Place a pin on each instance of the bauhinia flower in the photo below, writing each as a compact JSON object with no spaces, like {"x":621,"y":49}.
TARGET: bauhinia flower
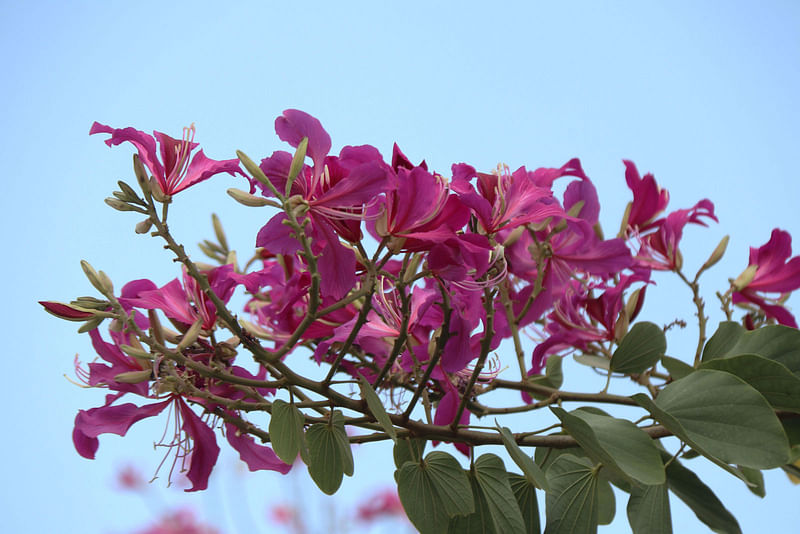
{"x":172,"y":165}
{"x":770,"y":271}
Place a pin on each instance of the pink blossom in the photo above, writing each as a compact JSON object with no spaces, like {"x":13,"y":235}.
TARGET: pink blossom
{"x":775,"y":272}
{"x":170,"y":165}
{"x":384,"y":503}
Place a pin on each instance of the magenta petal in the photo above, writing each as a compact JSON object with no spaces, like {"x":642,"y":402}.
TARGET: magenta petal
{"x":336,"y":265}
{"x":114,"y":419}
{"x":202,"y":168}
{"x":361,"y":185}
{"x":294,"y":125}
{"x":257,"y":457}
{"x":276,"y":237}
{"x":86,"y":446}
{"x":145,"y":144}
{"x":204,"y":451}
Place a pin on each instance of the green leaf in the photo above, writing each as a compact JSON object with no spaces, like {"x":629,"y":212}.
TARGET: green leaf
{"x":525,"y":493}
{"x":490,"y":472}
{"x":408,"y":450}
{"x":676,"y":367}
{"x":552,"y":378}
{"x":590,"y":360}
{"x":699,"y":498}
{"x":616,"y":443}
{"x":640,"y":349}
{"x":286,"y":431}
{"x":772,"y":379}
{"x":723,"y":340}
{"x":529,"y":468}
{"x":326,"y":466}
{"x":606,"y":502}
{"x":756,"y":478}
{"x":376,"y":407}
{"x":774,"y":342}
{"x":571,"y":505}
{"x":479,"y":521}
{"x":648,"y":510}
{"x":434,"y":490}
{"x":721,"y":417}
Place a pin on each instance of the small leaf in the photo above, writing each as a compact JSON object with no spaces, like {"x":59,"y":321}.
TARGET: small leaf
{"x":606,"y":502}
{"x":493,"y":484}
{"x":616,"y":443}
{"x":641,"y":348}
{"x":676,"y":368}
{"x":772,"y":379}
{"x":525,"y":493}
{"x":571,"y":505}
{"x":529,"y":468}
{"x":756,"y":478}
{"x":376,"y":407}
{"x":286,"y":431}
{"x":326,"y":467}
{"x":343,"y":442}
{"x":434,"y":490}
{"x":408,"y":450}
{"x":597,"y":362}
{"x":648,"y":510}
{"x":723,"y":340}
{"x":699,"y":497}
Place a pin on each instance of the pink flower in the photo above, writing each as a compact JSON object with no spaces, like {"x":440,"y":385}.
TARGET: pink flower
{"x":775,"y":273}
{"x":384,"y":503}
{"x":649,"y":200}
{"x":170,"y":165}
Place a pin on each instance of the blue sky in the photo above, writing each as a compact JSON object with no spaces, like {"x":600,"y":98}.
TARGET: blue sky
{"x":704,"y":96}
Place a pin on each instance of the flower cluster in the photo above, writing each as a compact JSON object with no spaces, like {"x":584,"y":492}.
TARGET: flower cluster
{"x":386,"y":271}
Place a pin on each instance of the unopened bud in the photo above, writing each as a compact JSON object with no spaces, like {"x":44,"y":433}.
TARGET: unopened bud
{"x":621,"y":326}
{"x":576,"y":208}
{"x":66,"y":311}
{"x":134,"y":377}
{"x":247,"y":199}
{"x":128,"y":192}
{"x":136,"y":352}
{"x":119,"y":205}
{"x":623,"y":227}
{"x":100,"y":283}
{"x":191,"y":335}
{"x":716,"y":255}
{"x":744,"y":279}
{"x":297,"y":164}
{"x":90,"y":325}
{"x":90,"y":303}
{"x":143,"y":227}
{"x":157,"y":192}
{"x":219,"y":231}
{"x":634,"y":304}
{"x":141,"y":175}
{"x":253,"y":169}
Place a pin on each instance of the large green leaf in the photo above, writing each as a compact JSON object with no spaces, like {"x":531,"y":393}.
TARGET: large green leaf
{"x":286,"y":431}
{"x":699,"y":498}
{"x":493,"y":482}
{"x":640,"y":349}
{"x":616,"y":443}
{"x":571,"y":505}
{"x":648,"y":510}
{"x":677,"y":368}
{"x":376,"y":407}
{"x":529,"y":468}
{"x":772,"y":379}
{"x":479,"y":521}
{"x":774,"y":342}
{"x":721,"y":417}
{"x":434,"y":490}
{"x":525,"y":493}
{"x":326,"y":465}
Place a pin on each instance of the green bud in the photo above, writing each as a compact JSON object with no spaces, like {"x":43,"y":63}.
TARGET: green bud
{"x":120,"y":205}
{"x":256,"y":171}
{"x":134,"y":377}
{"x":716,"y":255}
{"x":191,"y":335}
{"x":136,"y":352}
{"x":218,"y":231}
{"x":158,"y":194}
{"x":92,"y":276}
{"x":623,"y":227}
{"x":141,"y":175}
{"x":744,"y":279}
{"x":143,"y":227}
{"x":246,"y":199}
{"x":90,"y":325}
{"x":297,"y":164}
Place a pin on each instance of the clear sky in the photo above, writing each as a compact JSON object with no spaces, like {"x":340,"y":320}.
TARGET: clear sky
{"x":704,"y":96}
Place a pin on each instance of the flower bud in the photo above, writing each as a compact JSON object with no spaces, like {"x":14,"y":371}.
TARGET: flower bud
{"x":297,"y":164}
{"x":119,"y":205}
{"x":219,"y":231}
{"x":141,"y":175}
{"x":247,"y":199}
{"x":744,"y":279}
{"x":136,"y":352}
{"x":134,"y":377}
{"x":716,"y":255}
{"x":191,"y":335}
{"x":100,"y":283}
{"x":66,"y":311}
{"x":143,"y":227}
{"x":157,"y":192}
